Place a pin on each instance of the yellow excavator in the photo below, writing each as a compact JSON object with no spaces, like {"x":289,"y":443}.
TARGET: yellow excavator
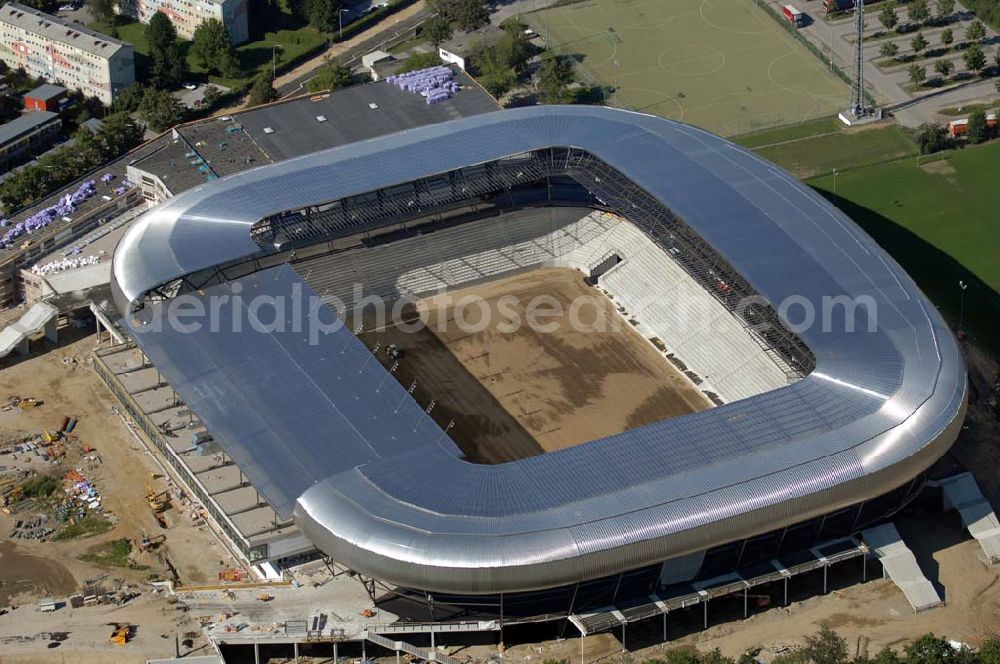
{"x":158,"y":502}
{"x":120,"y":634}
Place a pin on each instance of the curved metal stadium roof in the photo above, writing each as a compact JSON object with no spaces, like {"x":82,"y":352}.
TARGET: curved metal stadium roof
{"x":878,"y":409}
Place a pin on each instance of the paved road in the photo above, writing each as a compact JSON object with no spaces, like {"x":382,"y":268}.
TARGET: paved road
{"x":890,"y":84}
{"x":832,"y":36}
{"x":389,"y":28}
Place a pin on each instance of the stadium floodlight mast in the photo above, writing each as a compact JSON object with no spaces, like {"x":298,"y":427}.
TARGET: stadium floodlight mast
{"x":857,"y":107}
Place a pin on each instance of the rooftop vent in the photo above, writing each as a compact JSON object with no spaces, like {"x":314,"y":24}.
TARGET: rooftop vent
{"x":268,"y":130}
{"x":320,"y":118}
{"x":373,"y":106}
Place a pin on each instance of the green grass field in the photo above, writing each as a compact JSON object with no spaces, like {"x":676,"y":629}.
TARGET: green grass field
{"x":723,"y":65}
{"x":817,"y":147}
{"x":938,"y":220}
{"x":254,"y":56}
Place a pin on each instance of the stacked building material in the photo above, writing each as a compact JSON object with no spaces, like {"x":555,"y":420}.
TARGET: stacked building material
{"x":434,"y":83}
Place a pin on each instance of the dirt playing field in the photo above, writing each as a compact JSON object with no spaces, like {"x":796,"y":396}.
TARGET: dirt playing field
{"x":541,"y":387}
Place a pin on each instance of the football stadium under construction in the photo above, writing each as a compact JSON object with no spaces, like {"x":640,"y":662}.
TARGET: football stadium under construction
{"x":802,"y":435}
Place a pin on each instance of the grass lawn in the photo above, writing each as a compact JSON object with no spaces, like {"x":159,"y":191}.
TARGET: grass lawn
{"x":85,"y":527}
{"x":724,"y":65}
{"x":254,"y":56}
{"x":938,"y":219}
{"x":111,"y":554}
{"x":817,"y":147}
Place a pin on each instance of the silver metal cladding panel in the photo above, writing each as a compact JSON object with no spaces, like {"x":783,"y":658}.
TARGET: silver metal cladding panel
{"x":879,"y":408}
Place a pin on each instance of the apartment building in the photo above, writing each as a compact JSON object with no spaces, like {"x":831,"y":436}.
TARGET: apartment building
{"x":26,"y":137}
{"x":65,"y":52}
{"x":187,"y":15}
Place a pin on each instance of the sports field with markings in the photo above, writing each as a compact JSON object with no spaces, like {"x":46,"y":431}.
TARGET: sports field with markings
{"x":723,"y":65}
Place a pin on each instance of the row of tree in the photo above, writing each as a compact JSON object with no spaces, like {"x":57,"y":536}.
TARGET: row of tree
{"x":974,"y":34}
{"x":211,"y":48}
{"x":973,"y":57}
{"x":827,"y":647}
{"x":118,"y":134}
{"x":918,"y":12}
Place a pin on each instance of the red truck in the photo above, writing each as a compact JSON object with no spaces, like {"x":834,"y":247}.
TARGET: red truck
{"x":793,"y":15}
{"x":957,"y":128}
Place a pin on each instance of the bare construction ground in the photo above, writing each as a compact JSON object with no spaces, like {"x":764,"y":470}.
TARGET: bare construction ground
{"x":122,"y":471}
{"x":523,"y":389}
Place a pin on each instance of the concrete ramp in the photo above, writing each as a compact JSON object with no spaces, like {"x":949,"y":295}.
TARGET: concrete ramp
{"x":901,"y":566}
{"x":961,"y":492}
{"x":14,"y":337}
{"x":428,"y":655}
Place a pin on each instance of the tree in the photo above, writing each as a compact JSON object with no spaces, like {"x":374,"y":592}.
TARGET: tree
{"x":129,"y":98}
{"x":977,"y":131}
{"x":262,"y":90}
{"x":975,"y":32}
{"x":918,"y":43}
{"x":944,"y":67}
{"x":555,"y":76}
{"x":159,"y":109}
{"x":103,"y":11}
{"x":436,"y":30}
{"x":825,"y":647}
{"x":499,"y":65}
{"x":887,"y":17}
{"x":419,"y":61}
{"x":932,"y":137}
{"x":168,"y":67}
{"x":332,"y":76}
{"x":47,"y":6}
{"x":211,"y":95}
{"x":929,"y":649}
{"x":974,"y":58}
{"x":945,"y":8}
{"x":886,"y":656}
{"x":321,"y":14}
{"x":263,"y":16}
{"x":947,"y":37}
{"x":467,"y":15}
{"x":989,"y":652}
{"x":213,"y":49}
{"x":918,"y":75}
{"x":917,"y":11}
{"x":118,"y":134}
{"x":889,"y":49}
{"x":715,"y":656}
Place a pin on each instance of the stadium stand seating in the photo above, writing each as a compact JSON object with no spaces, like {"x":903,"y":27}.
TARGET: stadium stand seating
{"x":654,"y":290}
